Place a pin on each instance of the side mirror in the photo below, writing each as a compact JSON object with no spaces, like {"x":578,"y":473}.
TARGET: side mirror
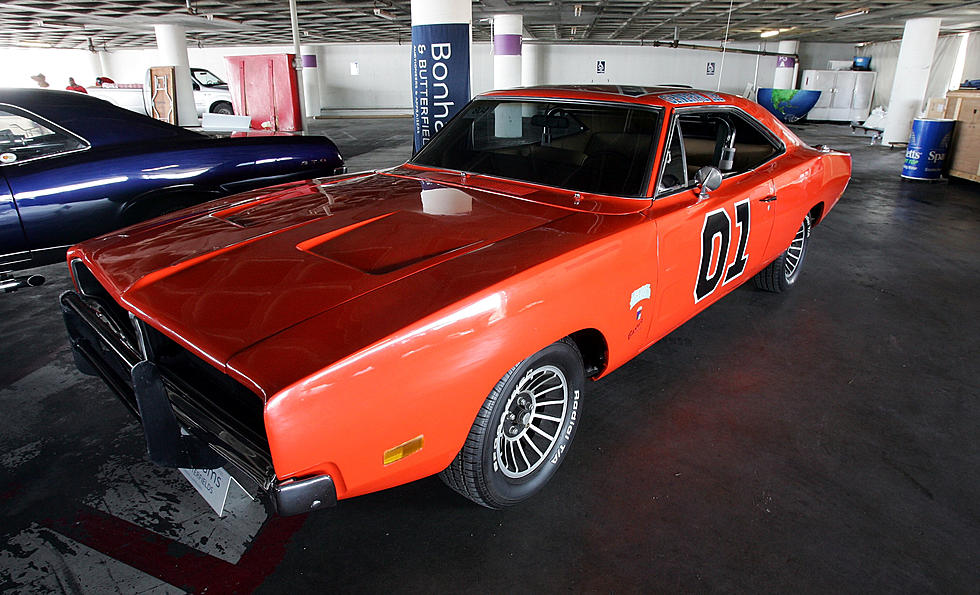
{"x":708,"y":179}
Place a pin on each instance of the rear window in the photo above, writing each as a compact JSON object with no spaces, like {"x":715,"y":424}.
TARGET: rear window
{"x":602,"y":149}
{"x":24,"y":136}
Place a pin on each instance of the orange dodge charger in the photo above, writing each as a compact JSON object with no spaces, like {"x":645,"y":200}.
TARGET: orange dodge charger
{"x":329,"y":338}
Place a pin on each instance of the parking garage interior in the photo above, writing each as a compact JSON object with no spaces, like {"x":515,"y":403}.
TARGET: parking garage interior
{"x":823,"y":439}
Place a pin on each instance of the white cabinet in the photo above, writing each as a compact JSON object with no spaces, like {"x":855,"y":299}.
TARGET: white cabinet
{"x":845,"y":95}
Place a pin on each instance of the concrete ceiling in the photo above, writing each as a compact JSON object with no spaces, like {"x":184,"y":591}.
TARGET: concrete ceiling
{"x":115,"y":24}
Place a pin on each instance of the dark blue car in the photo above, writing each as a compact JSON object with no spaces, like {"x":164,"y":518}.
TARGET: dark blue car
{"x":73,"y":167}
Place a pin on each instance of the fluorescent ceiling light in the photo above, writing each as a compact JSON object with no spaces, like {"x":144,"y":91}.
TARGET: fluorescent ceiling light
{"x":850,"y":13}
{"x":772,"y":33}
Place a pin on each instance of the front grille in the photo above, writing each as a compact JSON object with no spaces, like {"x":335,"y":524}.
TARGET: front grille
{"x":208,"y":403}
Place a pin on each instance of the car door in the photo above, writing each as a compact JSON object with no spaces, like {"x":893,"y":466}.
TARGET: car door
{"x":13,"y":244}
{"x":711,"y":242}
{"x":26,"y":142}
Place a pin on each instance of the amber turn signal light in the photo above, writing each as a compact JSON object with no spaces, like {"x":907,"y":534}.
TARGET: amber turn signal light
{"x":403,"y":450}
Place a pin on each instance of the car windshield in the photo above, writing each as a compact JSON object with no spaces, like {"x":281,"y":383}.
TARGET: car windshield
{"x":206,"y":78}
{"x":598,"y":148}
{"x":23,"y":138}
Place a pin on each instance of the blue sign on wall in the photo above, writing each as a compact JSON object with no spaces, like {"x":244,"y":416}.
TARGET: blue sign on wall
{"x":440,"y":76}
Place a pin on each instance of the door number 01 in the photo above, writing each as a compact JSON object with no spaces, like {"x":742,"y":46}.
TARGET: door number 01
{"x":719,"y":224}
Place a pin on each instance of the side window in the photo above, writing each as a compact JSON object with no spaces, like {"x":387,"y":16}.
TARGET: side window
{"x":22,"y":137}
{"x":675,"y":163}
{"x":724,"y":139}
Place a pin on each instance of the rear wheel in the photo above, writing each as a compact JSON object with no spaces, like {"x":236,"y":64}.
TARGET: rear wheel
{"x":782,"y":273}
{"x":523,"y":429}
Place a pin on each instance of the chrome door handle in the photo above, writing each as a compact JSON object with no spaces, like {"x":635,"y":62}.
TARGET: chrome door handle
{"x":769,"y":198}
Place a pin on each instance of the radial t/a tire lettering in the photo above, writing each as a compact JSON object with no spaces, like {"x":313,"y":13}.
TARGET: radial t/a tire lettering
{"x":782,"y":273}
{"x":523,"y":430}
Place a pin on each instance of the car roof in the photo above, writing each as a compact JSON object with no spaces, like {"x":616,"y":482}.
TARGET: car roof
{"x":95,"y":120}
{"x":664,"y":95}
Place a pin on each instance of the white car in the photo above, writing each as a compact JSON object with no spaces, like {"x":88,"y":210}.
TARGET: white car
{"x":210,"y":94}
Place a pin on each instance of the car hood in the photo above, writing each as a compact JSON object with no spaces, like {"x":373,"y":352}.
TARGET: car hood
{"x":250,"y":266}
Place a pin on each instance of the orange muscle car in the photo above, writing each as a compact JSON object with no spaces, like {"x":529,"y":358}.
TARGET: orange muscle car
{"x":343,"y":335}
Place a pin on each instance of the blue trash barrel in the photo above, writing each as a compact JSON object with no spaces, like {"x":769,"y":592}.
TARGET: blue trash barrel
{"x":928,"y":145}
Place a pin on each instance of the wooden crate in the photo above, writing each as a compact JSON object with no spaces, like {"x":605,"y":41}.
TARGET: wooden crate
{"x":964,"y":157}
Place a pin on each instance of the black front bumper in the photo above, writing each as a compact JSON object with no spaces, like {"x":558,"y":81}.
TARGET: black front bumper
{"x":167,"y":388}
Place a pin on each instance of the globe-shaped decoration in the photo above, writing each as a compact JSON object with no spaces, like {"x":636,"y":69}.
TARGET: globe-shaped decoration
{"x":789,"y":105}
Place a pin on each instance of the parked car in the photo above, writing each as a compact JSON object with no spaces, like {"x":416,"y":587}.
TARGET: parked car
{"x":341,"y":336}
{"x":73,"y":167}
{"x":211,"y":94}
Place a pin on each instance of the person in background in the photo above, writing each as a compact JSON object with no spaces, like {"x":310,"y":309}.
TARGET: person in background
{"x":73,"y":86}
{"x":40,"y":80}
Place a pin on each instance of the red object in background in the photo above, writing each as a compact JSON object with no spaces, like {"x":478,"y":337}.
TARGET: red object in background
{"x":73,"y":86}
{"x":265,"y":88}
{"x":257,"y":133}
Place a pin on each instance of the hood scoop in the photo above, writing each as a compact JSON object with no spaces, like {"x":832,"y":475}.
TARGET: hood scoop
{"x":406,"y":243}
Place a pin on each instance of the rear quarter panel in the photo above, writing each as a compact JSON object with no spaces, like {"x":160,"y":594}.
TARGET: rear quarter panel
{"x":805,"y":179}
{"x":808,"y":179}
{"x":64,"y":200}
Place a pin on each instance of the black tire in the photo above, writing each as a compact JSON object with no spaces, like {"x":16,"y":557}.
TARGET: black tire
{"x":783,"y":272}
{"x":223,"y":107}
{"x":487,"y":469}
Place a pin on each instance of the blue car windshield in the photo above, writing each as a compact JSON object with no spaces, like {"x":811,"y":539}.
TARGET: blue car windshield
{"x":587,"y":147}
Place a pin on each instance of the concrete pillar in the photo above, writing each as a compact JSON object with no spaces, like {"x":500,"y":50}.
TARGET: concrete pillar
{"x":786,"y":66}
{"x":507,"y":50}
{"x":311,"y":82}
{"x":298,"y":65}
{"x":172,"y":51}
{"x":911,"y":77}
{"x":105,"y":63}
{"x":507,"y":71}
{"x":441,"y":37}
{"x":531,"y":65}
{"x":323,"y":77}
{"x":96,"y":65}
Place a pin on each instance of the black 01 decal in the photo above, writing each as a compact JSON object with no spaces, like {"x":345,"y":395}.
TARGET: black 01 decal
{"x":712,"y":266}
{"x":716,"y":223}
{"x":742,"y":222}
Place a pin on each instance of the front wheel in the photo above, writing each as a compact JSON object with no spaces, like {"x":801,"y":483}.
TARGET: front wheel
{"x":223,"y":107}
{"x":782,"y":273}
{"x":523,"y":429}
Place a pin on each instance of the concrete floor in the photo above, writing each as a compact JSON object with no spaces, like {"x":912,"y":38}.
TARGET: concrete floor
{"x":823,"y":440}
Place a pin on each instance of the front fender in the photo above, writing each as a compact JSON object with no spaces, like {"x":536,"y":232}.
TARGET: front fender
{"x":431,"y":377}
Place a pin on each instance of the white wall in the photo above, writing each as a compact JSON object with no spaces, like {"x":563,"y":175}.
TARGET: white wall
{"x":971,"y":69}
{"x":646,"y":65}
{"x":814,"y":56}
{"x":384,"y":79}
{"x":884,"y":60}
{"x":18,"y":65}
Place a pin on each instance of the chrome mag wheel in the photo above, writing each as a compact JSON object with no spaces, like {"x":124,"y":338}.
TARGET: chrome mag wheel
{"x":531,"y":422}
{"x":796,"y":251}
{"x":523,"y":431}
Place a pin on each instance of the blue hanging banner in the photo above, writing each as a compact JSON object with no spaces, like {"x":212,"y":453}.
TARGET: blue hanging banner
{"x":440,"y":76}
